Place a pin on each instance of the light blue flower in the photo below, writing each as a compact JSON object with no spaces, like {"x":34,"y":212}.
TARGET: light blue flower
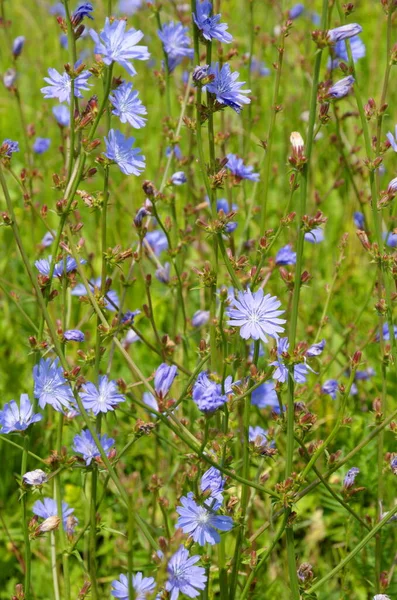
{"x":84,"y":444}
{"x":142,"y":586}
{"x":201,"y":522}
{"x":209,"y":25}
{"x":60,"y":85}
{"x":50,"y":385}
{"x":62,"y":115}
{"x":119,"y":149}
{"x":128,"y":106}
{"x":103,"y":398}
{"x":341,"y":88}
{"x":183,"y":576}
{"x":115,"y":44}
{"x":176,"y":43}
{"x":225,"y":87}
{"x":240,"y":171}
{"x":256,"y":315}
{"x":14,"y":418}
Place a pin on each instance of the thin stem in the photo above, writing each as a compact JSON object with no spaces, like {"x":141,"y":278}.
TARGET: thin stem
{"x":28,"y":553}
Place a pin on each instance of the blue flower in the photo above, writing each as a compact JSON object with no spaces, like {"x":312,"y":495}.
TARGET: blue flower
{"x":84,"y":10}
{"x":240,"y":171}
{"x":359,"y":220}
{"x":142,"y":586}
{"x":175,"y":150}
{"x":103,"y":398}
{"x":84,"y":444}
{"x":41,"y":145}
{"x":344,"y":32}
{"x":61,"y":85}
{"x":183,"y":576}
{"x":213,"y":482}
{"x":392,"y":187}
{"x":281,"y":372}
{"x":14,"y":418}
{"x":259,"y":68}
{"x":286,"y":256}
{"x":340,"y":51}
{"x":47,"y":239}
{"x":207,"y":394}
{"x":257,"y":315}
{"x":350,"y":477}
{"x":8,"y":147}
{"x":341,"y":88}
{"x":364,"y":375}
{"x":128,"y":106}
{"x":17,"y":46}
{"x":58,"y":10}
{"x":265,"y":395}
{"x":130,"y":7}
{"x":36,"y":477}
{"x":393,"y":139}
{"x":176,"y":43}
{"x":223,"y":204}
{"x":257,"y":433}
{"x":150,"y":401}
{"x":315,"y":236}
{"x":48,"y":508}
{"x":74,"y":335}
{"x":178,"y":178}
{"x":393,"y":464}
{"x":315,"y":349}
{"x":162,"y":274}
{"x":201,"y":522}
{"x":330,"y":388}
{"x":164,"y":378}
{"x":391,"y":239}
{"x":200,"y":318}
{"x":111,"y":297}
{"x":119,"y":149}
{"x":9,"y":78}
{"x":210,"y":26}
{"x":129,"y":316}
{"x":68,"y":264}
{"x":386,"y":331}
{"x":62,"y":115}
{"x":226,"y":88}
{"x":296,"y":11}
{"x":50,"y":386}
{"x":157,"y":240}
{"x":115,"y":44}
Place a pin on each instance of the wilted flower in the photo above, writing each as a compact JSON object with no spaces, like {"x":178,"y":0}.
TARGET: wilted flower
{"x":9,"y":78}
{"x":178,"y":178}
{"x":164,"y":378}
{"x":359,"y":220}
{"x":119,"y":149}
{"x":49,"y":524}
{"x":115,"y":44}
{"x":14,"y":418}
{"x":8,"y":147}
{"x":213,"y":482}
{"x":341,"y":88}
{"x":183,"y":576}
{"x":83,"y":11}
{"x":142,"y":586}
{"x":85,"y":444}
{"x":226,"y":88}
{"x":350,"y":477}
{"x":176,"y":43}
{"x":200,"y":318}
{"x":344,"y":32}
{"x":17,"y":46}
{"x":74,"y":335}
{"x":48,"y":508}
{"x":315,"y":349}
{"x":162,"y":274}
{"x":393,"y":139}
{"x":200,"y":521}
{"x":257,"y":315}
{"x":36,"y":477}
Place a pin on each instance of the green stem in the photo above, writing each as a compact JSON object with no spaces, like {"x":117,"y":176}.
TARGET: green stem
{"x":353,"y":553}
{"x":28,"y":553}
{"x":62,"y":533}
